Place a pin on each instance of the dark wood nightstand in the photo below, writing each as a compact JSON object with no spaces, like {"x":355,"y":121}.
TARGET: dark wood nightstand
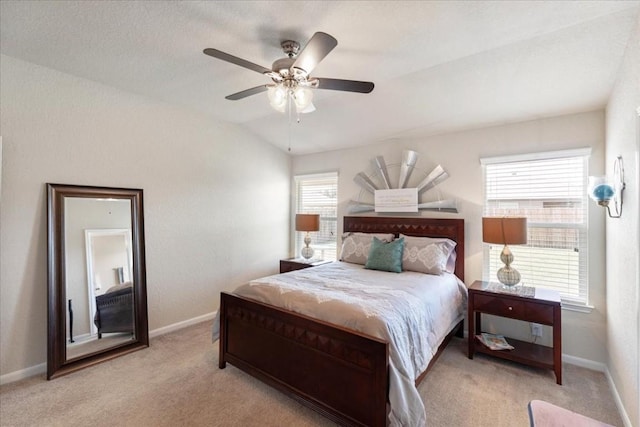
{"x":543,"y":308}
{"x":292,"y":264}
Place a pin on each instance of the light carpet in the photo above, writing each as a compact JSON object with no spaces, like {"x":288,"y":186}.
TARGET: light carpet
{"x":176,"y":382}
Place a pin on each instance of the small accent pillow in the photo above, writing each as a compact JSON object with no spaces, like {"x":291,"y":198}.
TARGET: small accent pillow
{"x":429,"y":255}
{"x":356,"y":246}
{"x":385,"y":256}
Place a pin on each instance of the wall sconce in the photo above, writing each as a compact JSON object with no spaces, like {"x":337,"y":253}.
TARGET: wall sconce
{"x":609,"y":192}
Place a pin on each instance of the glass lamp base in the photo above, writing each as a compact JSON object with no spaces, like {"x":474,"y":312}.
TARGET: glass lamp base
{"x":508,"y":276}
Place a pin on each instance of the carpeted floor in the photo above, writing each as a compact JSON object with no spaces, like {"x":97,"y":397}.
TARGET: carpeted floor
{"x":176,"y":382}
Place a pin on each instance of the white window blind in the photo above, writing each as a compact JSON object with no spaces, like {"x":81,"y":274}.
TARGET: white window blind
{"x":550,"y":190}
{"x":318,"y":194}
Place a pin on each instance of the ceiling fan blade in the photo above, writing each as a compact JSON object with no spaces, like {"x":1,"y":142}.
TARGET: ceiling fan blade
{"x":247,"y":92}
{"x":318,"y":47}
{"x":235,"y":60}
{"x":344,"y":85}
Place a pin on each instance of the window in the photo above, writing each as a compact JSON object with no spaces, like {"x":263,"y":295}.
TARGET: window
{"x":550,"y":190}
{"x":318,"y":194}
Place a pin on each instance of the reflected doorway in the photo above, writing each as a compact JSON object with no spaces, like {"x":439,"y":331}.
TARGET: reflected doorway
{"x":109,"y":265}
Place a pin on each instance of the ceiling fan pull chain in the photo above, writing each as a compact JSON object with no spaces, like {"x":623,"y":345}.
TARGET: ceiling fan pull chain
{"x":289,"y":121}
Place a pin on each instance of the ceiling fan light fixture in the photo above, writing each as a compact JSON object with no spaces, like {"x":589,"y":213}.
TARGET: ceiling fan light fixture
{"x":302,"y":96}
{"x":278,"y":95}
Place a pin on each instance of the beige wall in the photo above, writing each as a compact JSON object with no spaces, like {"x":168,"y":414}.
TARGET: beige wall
{"x":623,"y":235}
{"x":584,"y":334}
{"x":203,"y":181}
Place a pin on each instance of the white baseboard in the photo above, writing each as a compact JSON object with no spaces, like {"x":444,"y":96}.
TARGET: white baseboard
{"x":180,"y":325}
{"x":584,"y":363}
{"x":23,"y":373}
{"x":616,"y":397}
{"x":42,"y":367}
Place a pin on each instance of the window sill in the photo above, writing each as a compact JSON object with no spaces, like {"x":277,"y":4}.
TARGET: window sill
{"x":580,"y":308}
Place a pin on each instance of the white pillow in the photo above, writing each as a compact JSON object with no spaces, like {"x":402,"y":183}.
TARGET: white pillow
{"x":356,"y":246}
{"x":429,"y":255}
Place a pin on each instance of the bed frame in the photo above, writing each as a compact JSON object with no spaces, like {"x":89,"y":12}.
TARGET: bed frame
{"x":114,"y":312}
{"x":338,"y":372}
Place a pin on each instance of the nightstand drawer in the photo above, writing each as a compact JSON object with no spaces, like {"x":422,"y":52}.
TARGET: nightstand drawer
{"x":538,"y":313}
{"x":499,"y":306}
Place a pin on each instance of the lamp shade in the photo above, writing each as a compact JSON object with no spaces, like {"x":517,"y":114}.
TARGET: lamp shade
{"x":307,"y":222}
{"x":504,"y":230}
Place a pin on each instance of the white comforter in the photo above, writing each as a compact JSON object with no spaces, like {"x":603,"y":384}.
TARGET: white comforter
{"x":411,"y":311}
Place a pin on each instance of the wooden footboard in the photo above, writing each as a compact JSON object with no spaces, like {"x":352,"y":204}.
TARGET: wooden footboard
{"x":338,"y":372}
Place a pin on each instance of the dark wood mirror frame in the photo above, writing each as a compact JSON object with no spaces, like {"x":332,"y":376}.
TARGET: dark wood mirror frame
{"x":57,"y":363}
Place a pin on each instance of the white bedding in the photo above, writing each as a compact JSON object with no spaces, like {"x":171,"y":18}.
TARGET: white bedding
{"x":412,"y":311}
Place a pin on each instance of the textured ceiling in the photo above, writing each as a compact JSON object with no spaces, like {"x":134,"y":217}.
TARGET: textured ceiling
{"x":438,"y":66}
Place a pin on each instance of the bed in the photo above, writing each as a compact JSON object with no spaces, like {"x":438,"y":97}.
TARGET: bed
{"x":114,"y":310}
{"x":347,"y":375}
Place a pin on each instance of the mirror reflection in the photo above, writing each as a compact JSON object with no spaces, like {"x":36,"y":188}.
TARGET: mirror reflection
{"x":99,"y":285}
{"x":96,"y":274}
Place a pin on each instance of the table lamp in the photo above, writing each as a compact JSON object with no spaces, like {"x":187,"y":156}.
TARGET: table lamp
{"x":506,"y":231}
{"x":307,"y":222}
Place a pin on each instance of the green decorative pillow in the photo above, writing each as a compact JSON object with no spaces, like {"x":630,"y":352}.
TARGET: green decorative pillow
{"x":385,"y":256}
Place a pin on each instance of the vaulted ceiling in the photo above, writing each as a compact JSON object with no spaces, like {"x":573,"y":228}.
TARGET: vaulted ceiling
{"x":438,"y":66}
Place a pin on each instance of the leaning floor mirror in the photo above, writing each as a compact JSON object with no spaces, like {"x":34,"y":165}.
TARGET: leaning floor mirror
{"x":96,"y":276}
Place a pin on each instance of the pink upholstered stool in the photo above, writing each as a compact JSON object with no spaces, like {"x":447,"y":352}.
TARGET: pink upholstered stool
{"x":544,"y":414}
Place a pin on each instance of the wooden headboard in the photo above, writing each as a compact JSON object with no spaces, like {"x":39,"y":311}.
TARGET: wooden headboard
{"x":422,"y":227}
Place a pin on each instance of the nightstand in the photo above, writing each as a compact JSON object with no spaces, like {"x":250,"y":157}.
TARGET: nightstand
{"x":543,"y":308}
{"x":292,"y":264}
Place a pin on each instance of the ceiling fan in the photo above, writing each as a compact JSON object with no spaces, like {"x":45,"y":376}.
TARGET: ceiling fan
{"x":291,"y":78}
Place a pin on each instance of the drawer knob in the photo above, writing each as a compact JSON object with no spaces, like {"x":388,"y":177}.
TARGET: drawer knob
{"x":510,"y":308}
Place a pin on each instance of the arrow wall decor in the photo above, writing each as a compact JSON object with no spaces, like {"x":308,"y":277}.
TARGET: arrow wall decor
{"x":384,"y":193}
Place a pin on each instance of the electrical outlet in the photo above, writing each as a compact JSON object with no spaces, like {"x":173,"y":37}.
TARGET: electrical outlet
{"x":536,"y":329}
